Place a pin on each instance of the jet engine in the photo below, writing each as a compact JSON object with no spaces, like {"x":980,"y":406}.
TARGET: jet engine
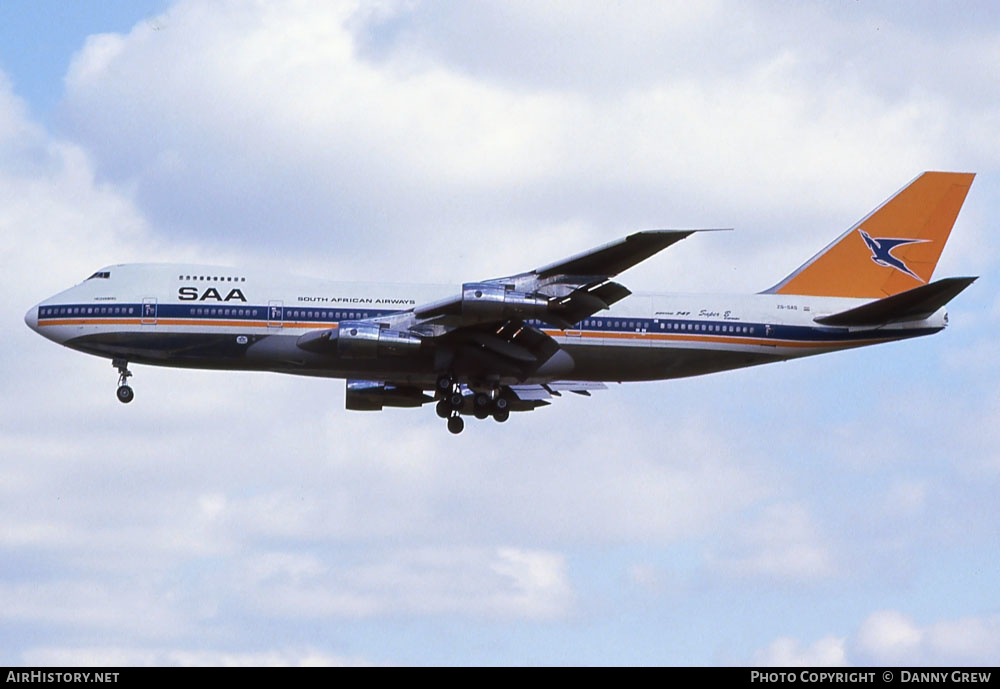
{"x":360,"y":340}
{"x":372,"y":395}
{"x":489,"y":302}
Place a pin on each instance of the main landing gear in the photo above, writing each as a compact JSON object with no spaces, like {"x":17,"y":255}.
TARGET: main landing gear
{"x":450,"y":404}
{"x":125,"y":394}
{"x":452,"y":401}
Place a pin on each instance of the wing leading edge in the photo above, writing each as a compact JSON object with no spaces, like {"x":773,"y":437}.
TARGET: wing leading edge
{"x":615,"y":257}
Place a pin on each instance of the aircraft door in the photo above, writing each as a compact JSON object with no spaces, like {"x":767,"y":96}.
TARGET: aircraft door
{"x":275,"y":313}
{"x":149,"y":311}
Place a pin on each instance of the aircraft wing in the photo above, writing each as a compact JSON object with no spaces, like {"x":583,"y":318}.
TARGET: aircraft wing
{"x":617,"y":256}
{"x":492,"y":328}
{"x":561,"y":293}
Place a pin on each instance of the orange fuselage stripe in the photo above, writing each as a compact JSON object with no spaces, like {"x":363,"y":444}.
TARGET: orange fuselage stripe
{"x":583,"y":334}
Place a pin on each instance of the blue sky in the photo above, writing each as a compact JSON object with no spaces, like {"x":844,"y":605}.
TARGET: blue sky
{"x":834,"y":510}
{"x":37,"y":39}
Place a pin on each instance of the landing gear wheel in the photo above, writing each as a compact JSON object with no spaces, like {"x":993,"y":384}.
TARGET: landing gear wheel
{"x":443,"y":385}
{"x":455,"y":424}
{"x":481,"y":404}
{"x":456,"y":400}
{"x":443,"y":409}
{"x":501,"y":409}
{"x":125,"y":394}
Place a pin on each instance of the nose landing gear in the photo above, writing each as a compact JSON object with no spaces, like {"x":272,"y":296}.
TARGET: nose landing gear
{"x":124,"y":393}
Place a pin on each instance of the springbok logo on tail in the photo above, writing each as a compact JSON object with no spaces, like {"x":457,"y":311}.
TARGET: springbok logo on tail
{"x":881,"y":248}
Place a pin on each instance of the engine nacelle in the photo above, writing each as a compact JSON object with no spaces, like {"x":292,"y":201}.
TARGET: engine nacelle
{"x":361,"y":340}
{"x":372,"y":395}
{"x":489,"y":302}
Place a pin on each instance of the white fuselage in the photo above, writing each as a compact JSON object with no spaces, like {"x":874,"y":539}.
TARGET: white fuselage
{"x":224,"y":318}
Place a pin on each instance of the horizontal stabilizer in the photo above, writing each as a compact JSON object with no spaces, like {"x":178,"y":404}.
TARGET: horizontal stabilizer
{"x":912,"y":305}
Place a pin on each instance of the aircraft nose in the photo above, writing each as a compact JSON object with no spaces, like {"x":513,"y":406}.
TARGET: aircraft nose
{"x":31,"y":318}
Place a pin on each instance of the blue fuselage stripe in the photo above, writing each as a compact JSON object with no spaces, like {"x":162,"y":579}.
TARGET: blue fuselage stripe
{"x":254,"y":314}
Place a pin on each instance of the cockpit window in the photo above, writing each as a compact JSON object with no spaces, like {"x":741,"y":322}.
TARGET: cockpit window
{"x":100,"y":274}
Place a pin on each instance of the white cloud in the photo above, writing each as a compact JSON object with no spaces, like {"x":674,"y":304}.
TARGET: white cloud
{"x":782,"y":543}
{"x":826,"y":652}
{"x":243,"y":123}
{"x":967,"y":640}
{"x":644,"y":575}
{"x":103,"y":656}
{"x":146,"y":609}
{"x":889,"y":637}
{"x":502,"y":583}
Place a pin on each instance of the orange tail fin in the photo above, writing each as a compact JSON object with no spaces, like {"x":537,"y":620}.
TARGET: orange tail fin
{"x":893,"y":249}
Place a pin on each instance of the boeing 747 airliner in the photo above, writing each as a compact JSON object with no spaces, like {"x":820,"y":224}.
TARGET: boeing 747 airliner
{"x":513,"y":343}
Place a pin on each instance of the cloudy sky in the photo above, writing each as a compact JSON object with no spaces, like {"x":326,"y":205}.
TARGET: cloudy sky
{"x":836,"y":510}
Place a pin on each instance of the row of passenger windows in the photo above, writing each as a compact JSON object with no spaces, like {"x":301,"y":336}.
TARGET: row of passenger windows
{"x":204,"y":311}
{"x":744,"y":329}
{"x":200,"y":311}
{"x":335,"y":315}
{"x":210,"y":278}
{"x":87,"y":311}
{"x":352,"y":315}
{"x":275,"y":313}
{"x":678,"y":326}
